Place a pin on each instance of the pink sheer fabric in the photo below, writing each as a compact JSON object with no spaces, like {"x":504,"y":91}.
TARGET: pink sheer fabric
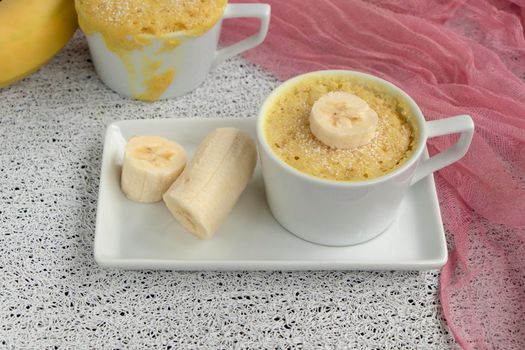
{"x":453,"y":57}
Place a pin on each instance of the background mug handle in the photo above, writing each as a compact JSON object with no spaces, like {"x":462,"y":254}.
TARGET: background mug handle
{"x":261,"y":11}
{"x":462,"y":124}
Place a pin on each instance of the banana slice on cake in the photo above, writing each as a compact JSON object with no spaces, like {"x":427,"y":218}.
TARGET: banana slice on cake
{"x":343,"y":120}
{"x":205,"y":193}
{"x":151,"y":165}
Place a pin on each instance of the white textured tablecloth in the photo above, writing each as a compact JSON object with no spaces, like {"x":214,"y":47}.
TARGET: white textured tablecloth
{"x":52,"y":293}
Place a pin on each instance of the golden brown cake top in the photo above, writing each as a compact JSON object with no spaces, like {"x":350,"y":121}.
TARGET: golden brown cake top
{"x":156,"y":17}
{"x":287,"y":131}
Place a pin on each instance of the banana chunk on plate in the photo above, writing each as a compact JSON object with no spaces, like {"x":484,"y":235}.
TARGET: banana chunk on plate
{"x":205,"y":193}
{"x":343,"y":120}
{"x":151,"y":165}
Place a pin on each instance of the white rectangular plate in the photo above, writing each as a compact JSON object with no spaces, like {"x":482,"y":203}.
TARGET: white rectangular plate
{"x":145,"y":236}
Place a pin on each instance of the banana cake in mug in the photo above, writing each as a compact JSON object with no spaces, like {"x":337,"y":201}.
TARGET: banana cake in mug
{"x":308,"y":124}
{"x":130,"y":25}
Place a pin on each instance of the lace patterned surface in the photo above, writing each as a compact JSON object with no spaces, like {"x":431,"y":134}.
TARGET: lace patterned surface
{"x":54,"y":295}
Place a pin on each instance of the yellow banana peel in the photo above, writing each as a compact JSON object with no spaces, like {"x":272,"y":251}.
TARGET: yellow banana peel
{"x":31,"y":33}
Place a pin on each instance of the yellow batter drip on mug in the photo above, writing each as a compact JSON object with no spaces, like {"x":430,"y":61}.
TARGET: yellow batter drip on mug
{"x":156,"y":83}
{"x":130,"y":25}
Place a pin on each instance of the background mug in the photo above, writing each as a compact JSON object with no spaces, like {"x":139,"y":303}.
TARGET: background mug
{"x":338,"y":213}
{"x":190,"y":60}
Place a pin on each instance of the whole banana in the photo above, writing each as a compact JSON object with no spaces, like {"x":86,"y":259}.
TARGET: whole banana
{"x":31,"y":33}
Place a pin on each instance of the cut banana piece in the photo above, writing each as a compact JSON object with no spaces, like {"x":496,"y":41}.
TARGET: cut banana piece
{"x":151,"y":165}
{"x":204,"y":194}
{"x":343,"y":120}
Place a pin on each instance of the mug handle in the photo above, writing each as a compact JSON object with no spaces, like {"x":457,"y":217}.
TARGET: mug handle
{"x":462,"y":124}
{"x":261,"y":11}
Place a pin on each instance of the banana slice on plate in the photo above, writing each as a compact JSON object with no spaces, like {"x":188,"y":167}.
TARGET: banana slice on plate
{"x":151,"y":165}
{"x":205,"y":193}
{"x":343,"y":120}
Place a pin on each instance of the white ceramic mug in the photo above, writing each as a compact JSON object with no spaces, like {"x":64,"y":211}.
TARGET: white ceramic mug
{"x":191,"y":60}
{"x":340,"y":213}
